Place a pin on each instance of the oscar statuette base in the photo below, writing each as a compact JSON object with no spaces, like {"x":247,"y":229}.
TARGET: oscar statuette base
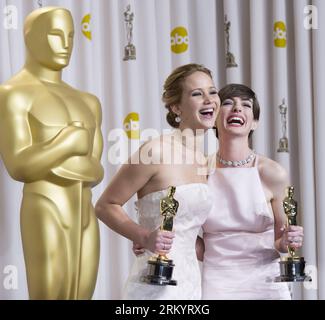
{"x":129,"y":52}
{"x":160,"y":272}
{"x":292,"y":269}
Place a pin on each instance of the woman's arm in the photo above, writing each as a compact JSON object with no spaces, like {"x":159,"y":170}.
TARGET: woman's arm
{"x":128,"y":180}
{"x":276,"y":179}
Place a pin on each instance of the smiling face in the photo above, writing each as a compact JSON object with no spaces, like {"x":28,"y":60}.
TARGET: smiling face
{"x":239,"y":112}
{"x":236,"y":117}
{"x":199,"y":103}
{"x":49,"y":38}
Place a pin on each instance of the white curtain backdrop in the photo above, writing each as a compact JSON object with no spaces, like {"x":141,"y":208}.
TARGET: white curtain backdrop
{"x":279,"y":49}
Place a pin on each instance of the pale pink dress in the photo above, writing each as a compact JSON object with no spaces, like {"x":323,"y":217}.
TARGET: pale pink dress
{"x":240,"y":261}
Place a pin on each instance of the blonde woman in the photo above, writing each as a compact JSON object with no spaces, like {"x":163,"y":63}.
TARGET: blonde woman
{"x":193,"y":103}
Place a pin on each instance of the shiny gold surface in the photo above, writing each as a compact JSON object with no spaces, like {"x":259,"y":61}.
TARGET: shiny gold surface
{"x":53,"y":144}
{"x":291,"y":209}
{"x":292,"y":266}
{"x":168,"y":209}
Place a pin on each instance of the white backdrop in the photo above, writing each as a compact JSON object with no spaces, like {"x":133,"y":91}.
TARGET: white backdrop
{"x":287,"y":64}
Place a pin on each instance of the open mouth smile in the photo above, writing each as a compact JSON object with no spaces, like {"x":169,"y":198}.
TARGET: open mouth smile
{"x":236,"y":121}
{"x":207,"y":112}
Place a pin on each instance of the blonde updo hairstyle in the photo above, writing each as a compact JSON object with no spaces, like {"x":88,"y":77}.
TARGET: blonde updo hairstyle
{"x":173,"y":88}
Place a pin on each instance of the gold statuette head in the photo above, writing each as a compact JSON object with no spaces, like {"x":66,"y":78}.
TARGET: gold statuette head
{"x":49,"y":35}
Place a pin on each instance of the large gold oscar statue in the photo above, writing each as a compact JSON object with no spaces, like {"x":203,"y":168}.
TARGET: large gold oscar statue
{"x":51,"y":141}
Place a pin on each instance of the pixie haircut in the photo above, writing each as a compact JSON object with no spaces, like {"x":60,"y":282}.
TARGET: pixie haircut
{"x":235,"y":90}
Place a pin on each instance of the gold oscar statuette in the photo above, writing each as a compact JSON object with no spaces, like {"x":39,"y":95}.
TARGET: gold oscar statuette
{"x":292,"y":266}
{"x":51,"y":141}
{"x":160,"y":267}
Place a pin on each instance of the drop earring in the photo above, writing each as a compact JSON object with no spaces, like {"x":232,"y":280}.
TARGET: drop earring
{"x":178,"y":119}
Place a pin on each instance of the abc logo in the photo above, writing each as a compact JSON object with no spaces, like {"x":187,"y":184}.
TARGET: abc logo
{"x":179,"y":40}
{"x":131,"y":125}
{"x":85,"y":23}
{"x":280,"y":34}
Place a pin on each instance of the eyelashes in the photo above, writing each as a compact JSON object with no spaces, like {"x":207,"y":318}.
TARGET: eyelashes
{"x":195,"y":94}
{"x":231,"y":103}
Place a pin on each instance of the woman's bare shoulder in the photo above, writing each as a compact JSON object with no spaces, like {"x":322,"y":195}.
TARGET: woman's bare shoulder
{"x":271,"y":171}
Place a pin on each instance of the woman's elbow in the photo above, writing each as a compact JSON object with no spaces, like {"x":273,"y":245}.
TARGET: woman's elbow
{"x":99,"y":209}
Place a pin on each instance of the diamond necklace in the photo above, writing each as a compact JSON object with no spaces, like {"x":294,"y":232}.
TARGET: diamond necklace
{"x":236,"y":163}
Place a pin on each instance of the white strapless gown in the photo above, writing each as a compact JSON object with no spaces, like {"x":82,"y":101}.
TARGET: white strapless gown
{"x":194,"y":205}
